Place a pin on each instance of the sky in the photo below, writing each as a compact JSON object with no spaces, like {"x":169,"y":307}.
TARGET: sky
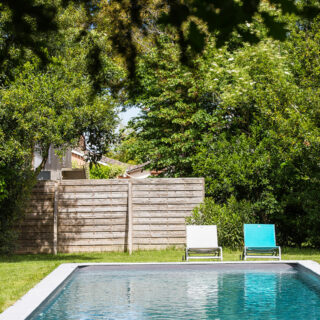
{"x":130,"y":113}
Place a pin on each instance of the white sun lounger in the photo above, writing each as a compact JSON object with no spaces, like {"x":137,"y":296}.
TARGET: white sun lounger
{"x":202,"y":240}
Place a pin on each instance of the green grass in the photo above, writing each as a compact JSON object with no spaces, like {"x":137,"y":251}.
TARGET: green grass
{"x":19,"y":273}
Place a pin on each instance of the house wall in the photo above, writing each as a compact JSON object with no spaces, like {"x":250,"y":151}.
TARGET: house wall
{"x":54,"y":164}
{"x":77,"y":159}
{"x":93,"y":215}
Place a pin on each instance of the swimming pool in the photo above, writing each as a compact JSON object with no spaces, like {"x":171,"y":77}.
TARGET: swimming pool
{"x":185,"y":291}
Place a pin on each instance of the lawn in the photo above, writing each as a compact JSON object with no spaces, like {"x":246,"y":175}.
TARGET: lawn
{"x":19,"y":273}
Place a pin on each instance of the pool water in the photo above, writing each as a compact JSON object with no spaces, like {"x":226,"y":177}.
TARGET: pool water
{"x":264,"y":291}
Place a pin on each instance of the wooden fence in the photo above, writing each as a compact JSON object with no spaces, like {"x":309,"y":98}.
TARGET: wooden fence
{"x":109,"y":215}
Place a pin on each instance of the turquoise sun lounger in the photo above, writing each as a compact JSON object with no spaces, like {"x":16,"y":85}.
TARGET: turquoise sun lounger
{"x":260,"y":242}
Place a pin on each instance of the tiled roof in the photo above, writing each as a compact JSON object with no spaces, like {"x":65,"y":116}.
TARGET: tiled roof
{"x":138,"y":167}
{"x":114,"y":162}
{"x":106,"y":160}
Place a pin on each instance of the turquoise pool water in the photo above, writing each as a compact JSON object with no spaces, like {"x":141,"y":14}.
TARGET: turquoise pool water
{"x":186,"y":292}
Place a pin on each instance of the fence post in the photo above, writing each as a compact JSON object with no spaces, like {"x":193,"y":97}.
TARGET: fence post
{"x":130,"y":222}
{"x":55,"y":217}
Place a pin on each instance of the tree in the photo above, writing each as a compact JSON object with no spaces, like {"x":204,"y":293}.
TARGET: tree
{"x":23,"y":25}
{"x":172,"y":112}
{"x":247,"y":119}
{"x":129,"y":149}
{"x":133,"y":22}
{"x":48,"y":105}
{"x":266,"y":153}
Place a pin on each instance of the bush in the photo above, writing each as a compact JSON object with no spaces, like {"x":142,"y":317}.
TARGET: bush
{"x":228,"y":217}
{"x":15,"y":188}
{"x":106,"y":172}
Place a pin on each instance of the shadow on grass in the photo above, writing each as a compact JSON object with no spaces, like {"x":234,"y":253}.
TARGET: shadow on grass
{"x":61,"y":257}
{"x":143,"y":255}
{"x":301,"y":251}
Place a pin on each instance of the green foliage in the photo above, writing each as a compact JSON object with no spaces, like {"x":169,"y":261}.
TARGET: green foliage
{"x":3,"y":190}
{"x":106,"y":172}
{"x":246,"y":117}
{"x":50,"y":105}
{"x":266,"y":151}
{"x":134,"y":24}
{"x":229,"y":218}
{"x":129,"y":148}
{"x":13,"y":199}
{"x":23,"y":27}
{"x":247,"y":120}
{"x":40,"y":109}
{"x":171,"y":121}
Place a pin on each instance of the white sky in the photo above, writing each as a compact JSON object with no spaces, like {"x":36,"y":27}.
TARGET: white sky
{"x":126,"y":116}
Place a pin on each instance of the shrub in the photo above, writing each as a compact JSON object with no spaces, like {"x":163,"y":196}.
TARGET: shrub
{"x":106,"y":172}
{"x":228,"y":217}
{"x":15,"y":188}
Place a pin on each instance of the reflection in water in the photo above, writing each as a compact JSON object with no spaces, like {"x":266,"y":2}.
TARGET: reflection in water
{"x":191,"y":293}
{"x":260,"y":292}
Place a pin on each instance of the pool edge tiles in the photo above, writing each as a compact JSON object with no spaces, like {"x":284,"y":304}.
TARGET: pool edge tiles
{"x":38,"y":295}
{"x":27,"y":304}
{"x":310,"y":265}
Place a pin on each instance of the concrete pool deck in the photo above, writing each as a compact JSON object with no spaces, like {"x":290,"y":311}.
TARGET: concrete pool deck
{"x":26,"y":305}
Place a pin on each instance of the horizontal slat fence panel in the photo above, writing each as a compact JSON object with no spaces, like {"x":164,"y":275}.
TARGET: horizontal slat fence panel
{"x":164,"y":193}
{"x":93,"y":188}
{"x":34,"y":235}
{"x":167,"y":181}
{"x":91,"y":228}
{"x":36,"y":230}
{"x":107,"y":242}
{"x":89,"y":248}
{"x":92,"y":222}
{"x":154,"y":227}
{"x":166,"y":187}
{"x":72,"y":218}
{"x":159,"y":214}
{"x":93,"y":195}
{"x":92,"y":215}
{"x":93,"y":182}
{"x":45,"y":228}
{"x":160,"y":207}
{"x":167,"y":200}
{"x":163,"y":240}
{"x":159,"y":221}
{"x":88,"y":208}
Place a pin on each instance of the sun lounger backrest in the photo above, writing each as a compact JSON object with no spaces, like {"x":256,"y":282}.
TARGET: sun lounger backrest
{"x":259,"y":235}
{"x":202,"y":236}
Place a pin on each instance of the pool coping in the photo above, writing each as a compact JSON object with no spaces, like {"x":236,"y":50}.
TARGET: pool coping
{"x":27,"y":304}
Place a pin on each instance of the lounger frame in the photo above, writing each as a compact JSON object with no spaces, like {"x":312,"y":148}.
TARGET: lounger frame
{"x":249,"y":252}
{"x":216,"y":253}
